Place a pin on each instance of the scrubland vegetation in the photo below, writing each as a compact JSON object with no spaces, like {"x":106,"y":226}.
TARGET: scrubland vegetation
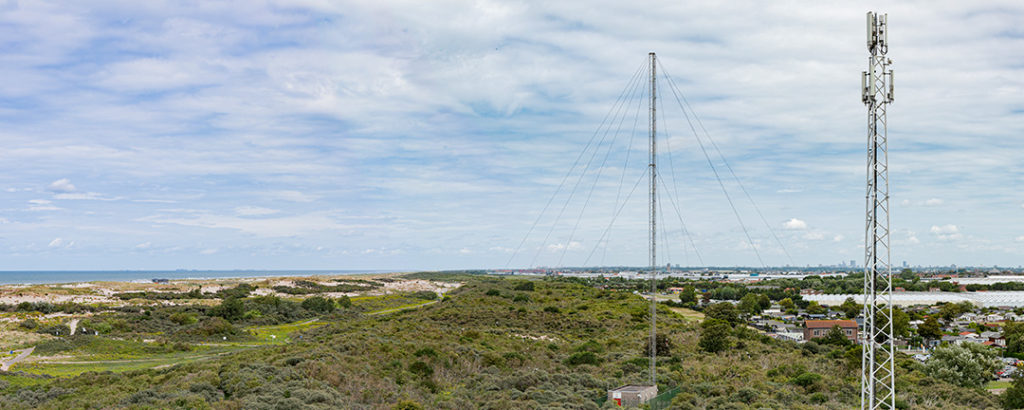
{"x":494,"y":343}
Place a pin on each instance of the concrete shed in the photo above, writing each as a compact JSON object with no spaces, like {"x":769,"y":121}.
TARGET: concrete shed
{"x":632,"y":394}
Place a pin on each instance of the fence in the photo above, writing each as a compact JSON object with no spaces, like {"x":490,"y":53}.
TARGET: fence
{"x":663,"y":400}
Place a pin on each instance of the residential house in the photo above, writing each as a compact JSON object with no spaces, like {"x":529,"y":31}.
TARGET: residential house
{"x":995,"y":338}
{"x":820,"y":328}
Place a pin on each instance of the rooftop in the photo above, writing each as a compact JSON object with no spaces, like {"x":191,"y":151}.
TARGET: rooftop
{"x":632,"y":388}
{"x":813,"y":324}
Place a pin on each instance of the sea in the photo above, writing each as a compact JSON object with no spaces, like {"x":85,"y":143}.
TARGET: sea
{"x":38,"y":277}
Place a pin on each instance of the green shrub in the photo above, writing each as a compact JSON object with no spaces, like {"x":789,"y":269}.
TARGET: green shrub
{"x":318,"y":304}
{"x":183,"y":318}
{"x":806,"y":379}
{"x":525,"y":286}
{"x":493,"y":292}
{"x":407,"y":405}
{"x":579,"y":358}
{"x":421,"y":369}
{"x":425,"y":295}
{"x":29,"y":324}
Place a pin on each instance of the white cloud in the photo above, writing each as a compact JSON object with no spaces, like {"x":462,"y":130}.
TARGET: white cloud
{"x":262,"y":227}
{"x":933,"y":202}
{"x":905,"y":202}
{"x":84,"y":196}
{"x":254,"y":211}
{"x":41,"y":205}
{"x":913,"y":240}
{"x":794,"y":224}
{"x":1020,"y":239}
{"x":838,"y":238}
{"x":574,"y":245}
{"x":465,"y":251}
{"x":814,"y":236}
{"x":62,"y":185}
{"x":293,"y":196}
{"x":4,"y":220}
{"x":946,"y":232}
{"x":144,"y":246}
{"x":208,"y":251}
{"x":60,"y":243}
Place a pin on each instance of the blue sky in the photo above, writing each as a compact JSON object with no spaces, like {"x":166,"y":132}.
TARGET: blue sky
{"x":430,"y":135}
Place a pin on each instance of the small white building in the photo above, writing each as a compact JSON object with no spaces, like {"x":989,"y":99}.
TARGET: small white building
{"x":632,"y":395}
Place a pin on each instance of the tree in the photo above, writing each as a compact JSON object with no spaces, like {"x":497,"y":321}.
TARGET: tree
{"x":661,"y":342}
{"x":949,"y":311}
{"x":723,"y":311}
{"x":966,"y":364}
{"x":900,"y":323}
{"x":907,"y":275}
{"x":764,"y":301}
{"x":835,"y":336}
{"x":715,"y":335}
{"x":1014,"y":334}
{"x":318,"y":304}
{"x":815,"y":308}
{"x":1013,"y":397}
{"x":750,"y":304}
{"x":930,"y":329}
{"x":230,"y":309}
{"x":787,"y":304}
{"x":688,"y":296}
{"x":851,"y":308}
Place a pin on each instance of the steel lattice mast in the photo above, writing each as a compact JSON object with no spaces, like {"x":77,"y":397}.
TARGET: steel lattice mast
{"x":653,"y":226}
{"x":877,"y":370}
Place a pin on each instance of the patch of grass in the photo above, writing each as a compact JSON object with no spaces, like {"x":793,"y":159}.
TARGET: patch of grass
{"x":371,"y":304}
{"x":998,"y":384}
{"x":17,"y":381}
{"x":688,"y":314}
{"x":68,"y":368}
{"x":281,"y":333}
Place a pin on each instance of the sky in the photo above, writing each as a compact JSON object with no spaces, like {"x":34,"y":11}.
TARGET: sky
{"x":432,"y":135}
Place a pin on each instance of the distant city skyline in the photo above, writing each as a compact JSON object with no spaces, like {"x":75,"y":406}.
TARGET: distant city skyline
{"x":421,"y":135}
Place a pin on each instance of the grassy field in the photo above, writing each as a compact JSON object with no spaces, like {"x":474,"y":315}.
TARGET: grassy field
{"x":998,"y":384}
{"x":70,"y":357}
{"x":282,"y":333}
{"x":689,"y":315}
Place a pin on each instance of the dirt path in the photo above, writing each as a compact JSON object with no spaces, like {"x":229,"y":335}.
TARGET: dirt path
{"x":73,"y":324}
{"x":6,"y":364}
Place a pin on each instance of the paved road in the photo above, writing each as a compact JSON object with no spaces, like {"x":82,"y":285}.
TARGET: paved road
{"x":6,"y":364}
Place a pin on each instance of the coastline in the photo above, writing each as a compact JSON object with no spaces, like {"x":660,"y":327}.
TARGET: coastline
{"x":59,"y":277}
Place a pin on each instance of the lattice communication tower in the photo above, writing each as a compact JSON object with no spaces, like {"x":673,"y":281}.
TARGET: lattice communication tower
{"x":877,"y":378}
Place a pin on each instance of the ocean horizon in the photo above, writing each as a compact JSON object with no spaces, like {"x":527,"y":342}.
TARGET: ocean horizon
{"x":59,"y":276}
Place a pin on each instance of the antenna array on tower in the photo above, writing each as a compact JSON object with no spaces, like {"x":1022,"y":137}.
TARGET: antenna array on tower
{"x":878,"y":389}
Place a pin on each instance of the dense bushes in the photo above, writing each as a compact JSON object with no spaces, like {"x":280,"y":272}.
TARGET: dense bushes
{"x":562,"y":347}
{"x":318,"y":304}
{"x":305,"y":287}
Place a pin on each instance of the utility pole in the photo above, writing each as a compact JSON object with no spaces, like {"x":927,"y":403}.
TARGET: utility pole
{"x":878,"y":389}
{"x":653,"y":234}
